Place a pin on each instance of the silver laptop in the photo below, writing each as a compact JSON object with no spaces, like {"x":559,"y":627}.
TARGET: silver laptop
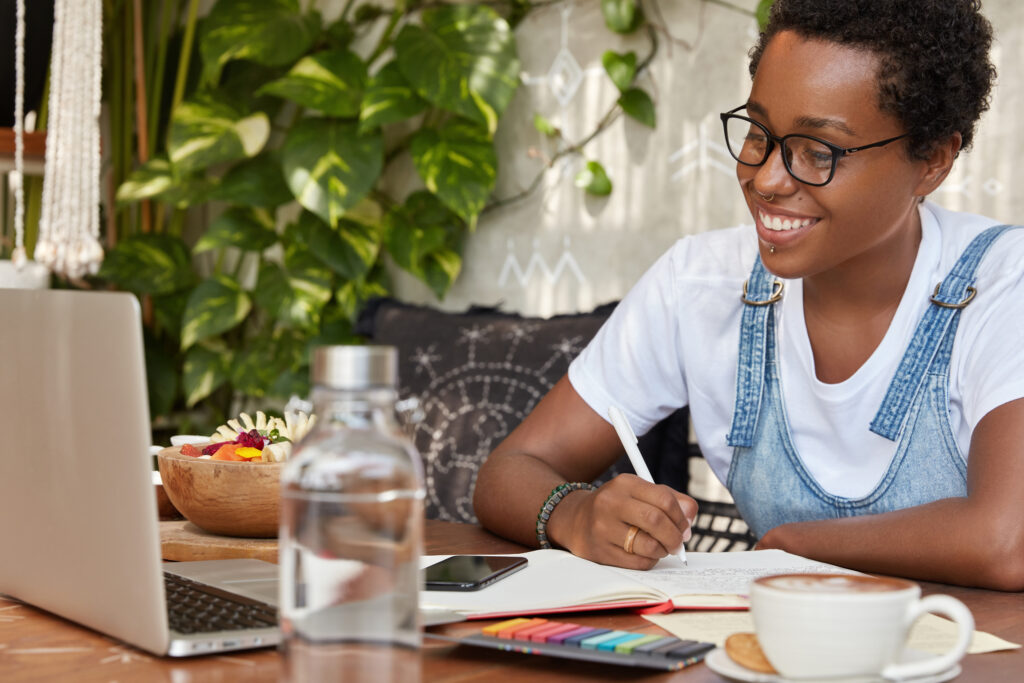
{"x":79,"y":534}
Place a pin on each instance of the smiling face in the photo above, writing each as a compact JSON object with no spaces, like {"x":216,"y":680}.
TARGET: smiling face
{"x":865,"y":219}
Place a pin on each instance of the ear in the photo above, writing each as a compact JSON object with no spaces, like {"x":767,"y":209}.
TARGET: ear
{"x":938,"y":164}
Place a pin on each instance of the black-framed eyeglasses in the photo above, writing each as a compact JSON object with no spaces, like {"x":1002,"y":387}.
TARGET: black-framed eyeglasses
{"x":810,"y":160}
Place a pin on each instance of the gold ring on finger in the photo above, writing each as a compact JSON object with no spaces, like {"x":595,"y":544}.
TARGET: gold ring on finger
{"x":627,"y":545}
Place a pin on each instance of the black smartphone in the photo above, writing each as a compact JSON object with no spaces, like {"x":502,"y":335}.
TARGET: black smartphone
{"x":470,"y":572}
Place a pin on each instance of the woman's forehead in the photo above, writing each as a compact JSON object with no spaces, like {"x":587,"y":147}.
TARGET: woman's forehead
{"x":806,"y":82}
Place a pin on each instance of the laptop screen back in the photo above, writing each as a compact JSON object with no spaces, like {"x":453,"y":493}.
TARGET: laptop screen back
{"x":79,"y":534}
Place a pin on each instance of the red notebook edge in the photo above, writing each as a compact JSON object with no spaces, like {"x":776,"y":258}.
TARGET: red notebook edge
{"x":639,"y":606}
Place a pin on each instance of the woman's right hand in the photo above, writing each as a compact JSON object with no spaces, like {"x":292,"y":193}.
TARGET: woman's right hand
{"x":596,"y":524}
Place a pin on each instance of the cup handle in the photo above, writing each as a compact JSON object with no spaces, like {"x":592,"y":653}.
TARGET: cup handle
{"x":947,"y":606}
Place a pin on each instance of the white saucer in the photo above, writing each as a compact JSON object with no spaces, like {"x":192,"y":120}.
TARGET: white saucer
{"x":723,"y":665}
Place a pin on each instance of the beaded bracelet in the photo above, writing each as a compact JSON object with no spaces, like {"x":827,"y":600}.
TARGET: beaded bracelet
{"x":557,"y":494}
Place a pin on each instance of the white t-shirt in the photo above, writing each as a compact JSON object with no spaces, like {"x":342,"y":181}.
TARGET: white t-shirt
{"x":674,"y":340}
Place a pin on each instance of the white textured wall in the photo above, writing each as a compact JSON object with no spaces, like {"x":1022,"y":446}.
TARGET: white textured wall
{"x":561,"y":251}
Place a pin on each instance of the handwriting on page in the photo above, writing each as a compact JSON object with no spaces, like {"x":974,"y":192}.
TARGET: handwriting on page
{"x":723,"y":573}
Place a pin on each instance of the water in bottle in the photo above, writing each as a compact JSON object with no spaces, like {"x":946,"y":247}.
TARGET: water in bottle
{"x":352,"y":528}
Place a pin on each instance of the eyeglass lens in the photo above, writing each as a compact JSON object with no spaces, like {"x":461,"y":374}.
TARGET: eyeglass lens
{"x":808,"y":160}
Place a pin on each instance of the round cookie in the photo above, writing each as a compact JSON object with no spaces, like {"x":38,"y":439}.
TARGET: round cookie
{"x":744,"y":649}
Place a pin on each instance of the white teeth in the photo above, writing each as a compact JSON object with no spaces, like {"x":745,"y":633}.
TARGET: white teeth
{"x":780,"y":224}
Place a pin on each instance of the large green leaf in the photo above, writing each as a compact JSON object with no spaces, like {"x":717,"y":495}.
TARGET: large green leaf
{"x":271,"y":32}
{"x":638,"y":104}
{"x":168,"y":310}
{"x":300,"y":231}
{"x":216,"y":305}
{"x":764,"y":8}
{"x":254,"y":182}
{"x":621,"y":68}
{"x":594,"y":180}
{"x":294,"y":382}
{"x":462,"y":59}
{"x":353,"y":294}
{"x":156,"y":179}
{"x":458,"y":164}
{"x":295,"y":294}
{"x":239,"y":82}
{"x":149,"y":264}
{"x":205,"y":369}
{"x":148,"y":181}
{"x":336,"y":328}
{"x":329,"y":166}
{"x":206,"y":131}
{"x":263,"y":359}
{"x":240,"y":226}
{"x":331,"y":81}
{"x":424,"y":237}
{"x":543,"y":126}
{"x":350,"y":248}
{"x":340,"y":33}
{"x":388,"y":99}
{"x":621,"y":16}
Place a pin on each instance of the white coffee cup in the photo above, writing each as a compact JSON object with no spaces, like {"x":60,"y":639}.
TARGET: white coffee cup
{"x":836,"y":625}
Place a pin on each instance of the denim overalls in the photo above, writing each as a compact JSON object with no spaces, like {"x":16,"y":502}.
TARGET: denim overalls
{"x":769,"y":481}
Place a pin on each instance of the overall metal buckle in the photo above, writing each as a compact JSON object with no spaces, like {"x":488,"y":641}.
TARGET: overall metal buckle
{"x":971,"y":291}
{"x":777,"y":287}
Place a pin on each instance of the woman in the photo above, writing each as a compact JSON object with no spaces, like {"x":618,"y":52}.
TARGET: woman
{"x":859,"y":414}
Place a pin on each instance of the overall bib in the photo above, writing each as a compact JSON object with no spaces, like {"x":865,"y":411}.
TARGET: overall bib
{"x":770,"y":483}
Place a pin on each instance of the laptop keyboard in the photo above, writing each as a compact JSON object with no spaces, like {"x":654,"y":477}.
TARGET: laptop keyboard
{"x":198,"y":608}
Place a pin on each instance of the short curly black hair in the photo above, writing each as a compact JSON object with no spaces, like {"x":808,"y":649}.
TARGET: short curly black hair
{"x":935,"y":74}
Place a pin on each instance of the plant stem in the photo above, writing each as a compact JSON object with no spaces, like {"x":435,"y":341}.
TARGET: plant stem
{"x":165,"y":29}
{"x":383,"y":198}
{"x":177,"y":225}
{"x":158,"y":219}
{"x":127,"y":106}
{"x":185,"y":56}
{"x":116,"y":84}
{"x":34,"y":184}
{"x":141,"y":115}
{"x":385,"y":38}
{"x":348,"y":7}
{"x":577,"y":148}
{"x":495,"y":3}
{"x":237,"y":272}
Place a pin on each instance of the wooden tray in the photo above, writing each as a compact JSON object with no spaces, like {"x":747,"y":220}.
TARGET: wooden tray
{"x":183,"y":541}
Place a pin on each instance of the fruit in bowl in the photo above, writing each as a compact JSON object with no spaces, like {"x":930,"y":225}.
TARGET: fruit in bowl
{"x":231,"y":486}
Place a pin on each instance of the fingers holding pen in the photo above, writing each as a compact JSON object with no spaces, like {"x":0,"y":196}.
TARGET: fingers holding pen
{"x":658,"y":511}
{"x":659,"y":515}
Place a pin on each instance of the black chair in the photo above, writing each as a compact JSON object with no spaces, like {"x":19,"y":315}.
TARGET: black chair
{"x":475,"y":375}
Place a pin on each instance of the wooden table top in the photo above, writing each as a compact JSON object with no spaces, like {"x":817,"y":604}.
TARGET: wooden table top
{"x":35,"y":645}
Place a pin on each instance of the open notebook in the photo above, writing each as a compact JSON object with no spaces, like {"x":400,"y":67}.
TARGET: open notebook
{"x":557,"y":581}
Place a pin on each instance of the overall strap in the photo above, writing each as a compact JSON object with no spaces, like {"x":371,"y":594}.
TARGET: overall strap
{"x":760,"y":291}
{"x":951,"y":296}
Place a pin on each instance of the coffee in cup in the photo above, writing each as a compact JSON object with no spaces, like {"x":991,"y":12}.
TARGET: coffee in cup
{"x":848,"y":625}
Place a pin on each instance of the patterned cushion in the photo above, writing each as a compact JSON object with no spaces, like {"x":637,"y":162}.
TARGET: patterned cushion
{"x":476,"y":375}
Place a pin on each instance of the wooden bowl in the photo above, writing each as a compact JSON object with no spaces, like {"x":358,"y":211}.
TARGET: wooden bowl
{"x":221,"y":496}
{"x":164,"y":507}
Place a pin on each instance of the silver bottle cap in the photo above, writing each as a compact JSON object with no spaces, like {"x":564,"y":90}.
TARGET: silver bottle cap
{"x":355,"y":367}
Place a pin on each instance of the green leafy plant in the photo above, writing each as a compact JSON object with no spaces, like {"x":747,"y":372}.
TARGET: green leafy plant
{"x":282,"y":117}
{"x":251,"y":158}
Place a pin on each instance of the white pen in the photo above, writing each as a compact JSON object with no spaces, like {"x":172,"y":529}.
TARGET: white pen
{"x":629,"y":441}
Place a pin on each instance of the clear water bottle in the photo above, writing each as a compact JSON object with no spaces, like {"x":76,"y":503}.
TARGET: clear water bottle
{"x":352,"y":528}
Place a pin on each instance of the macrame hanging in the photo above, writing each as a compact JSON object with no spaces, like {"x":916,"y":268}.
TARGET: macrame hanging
{"x":16,"y":178}
{"x":68,"y":242}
